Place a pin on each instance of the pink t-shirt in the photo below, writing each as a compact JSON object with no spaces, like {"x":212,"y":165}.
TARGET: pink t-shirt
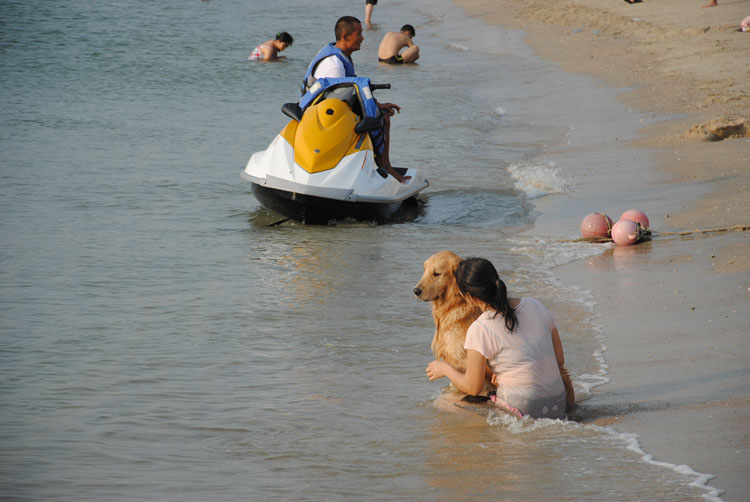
{"x":524,"y":361}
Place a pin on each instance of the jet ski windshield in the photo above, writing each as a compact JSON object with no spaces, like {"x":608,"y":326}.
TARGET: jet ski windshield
{"x":355,"y":91}
{"x":346,"y":94}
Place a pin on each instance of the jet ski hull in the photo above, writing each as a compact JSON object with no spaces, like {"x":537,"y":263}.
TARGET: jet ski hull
{"x":314,"y":210}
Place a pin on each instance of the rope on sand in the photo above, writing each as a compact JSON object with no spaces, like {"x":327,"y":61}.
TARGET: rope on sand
{"x":737,"y":228}
{"x":597,"y":240}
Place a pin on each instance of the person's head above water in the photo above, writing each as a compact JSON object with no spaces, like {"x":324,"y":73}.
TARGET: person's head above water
{"x":408,"y":29}
{"x":285,"y":38}
{"x":348,"y":34}
{"x":479,"y":278}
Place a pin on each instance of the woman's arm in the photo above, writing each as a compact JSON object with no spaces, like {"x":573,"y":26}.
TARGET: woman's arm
{"x":470,"y":382}
{"x":557,"y":344}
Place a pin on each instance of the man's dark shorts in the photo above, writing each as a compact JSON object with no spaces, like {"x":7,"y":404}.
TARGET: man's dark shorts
{"x":373,"y":2}
{"x":392,"y":60}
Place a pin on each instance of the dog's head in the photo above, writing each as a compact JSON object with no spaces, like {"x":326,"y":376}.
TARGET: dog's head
{"x":438,"y":280}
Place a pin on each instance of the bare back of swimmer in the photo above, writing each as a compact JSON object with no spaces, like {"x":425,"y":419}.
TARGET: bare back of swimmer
{"x":393,"y":42}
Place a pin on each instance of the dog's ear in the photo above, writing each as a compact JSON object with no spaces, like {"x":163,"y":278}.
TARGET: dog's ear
{"x":452,"y":294}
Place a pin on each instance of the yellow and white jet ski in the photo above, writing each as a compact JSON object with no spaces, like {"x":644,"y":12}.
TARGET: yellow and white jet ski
{"x":321,"y":167}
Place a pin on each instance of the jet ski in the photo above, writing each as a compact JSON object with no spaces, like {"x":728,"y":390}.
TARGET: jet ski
{"x":321,"y":166}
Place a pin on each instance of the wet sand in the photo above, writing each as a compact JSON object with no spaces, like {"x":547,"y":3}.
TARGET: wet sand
{"x":676,"y":310}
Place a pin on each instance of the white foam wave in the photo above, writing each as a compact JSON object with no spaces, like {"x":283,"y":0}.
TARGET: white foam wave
{"x":500,"y":111}
{"x":538,"y":180}
{"x":458,"y":47}
{"x":584,"y":383}
{"x":628,"y":440}
{"x":701,"y":480}
{"x":552,"y":253}
{"x":523,"y":425}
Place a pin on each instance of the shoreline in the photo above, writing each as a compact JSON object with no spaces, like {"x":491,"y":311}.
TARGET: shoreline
{"x":673,"y":310}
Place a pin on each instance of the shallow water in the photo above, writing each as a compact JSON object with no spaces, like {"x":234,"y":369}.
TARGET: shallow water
{"x":159,"y":341}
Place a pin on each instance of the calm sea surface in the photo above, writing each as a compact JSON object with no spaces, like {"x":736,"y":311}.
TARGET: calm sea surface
{"x":160,"y":341}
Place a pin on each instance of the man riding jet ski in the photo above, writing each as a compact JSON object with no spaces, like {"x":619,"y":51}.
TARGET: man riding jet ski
{"x":321,"y":167}
{"x":334,"y":61}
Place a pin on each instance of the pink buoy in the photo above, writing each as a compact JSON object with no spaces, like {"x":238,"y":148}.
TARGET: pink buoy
{"x":625,"y":233}
{"x":596,"y":225}
{"x":636,"y":216}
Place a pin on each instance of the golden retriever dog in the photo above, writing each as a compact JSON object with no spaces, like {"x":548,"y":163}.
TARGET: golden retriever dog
{"x":451,"y":312}
{"x":453,"y":315}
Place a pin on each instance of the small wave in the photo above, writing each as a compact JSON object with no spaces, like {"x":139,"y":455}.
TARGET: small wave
{"x":524,"y":425}
{"x":700,"y":479}
{"x":458,"y":47}
{"x":626,"y":440}
{"x":499,"y":111}
{"x":583,"y":384}
{"x":538,"y":180}
{"x":499,"y":209}
{"x":432,"y":18}
{"x":550,"y":252}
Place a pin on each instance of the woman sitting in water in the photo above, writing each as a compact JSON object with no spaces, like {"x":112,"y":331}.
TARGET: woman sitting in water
{"x":516,"y":338}
{"x":269,"y":50}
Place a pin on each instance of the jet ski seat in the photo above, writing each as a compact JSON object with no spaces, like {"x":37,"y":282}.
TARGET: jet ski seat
{"x":292,"y":110}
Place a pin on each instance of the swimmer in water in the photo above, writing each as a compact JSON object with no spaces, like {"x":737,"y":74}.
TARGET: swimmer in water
{"x":393,"y":42}
{"x":269,"y":50}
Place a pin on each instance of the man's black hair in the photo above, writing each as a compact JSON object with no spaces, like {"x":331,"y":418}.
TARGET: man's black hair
{"x":345,"y":24}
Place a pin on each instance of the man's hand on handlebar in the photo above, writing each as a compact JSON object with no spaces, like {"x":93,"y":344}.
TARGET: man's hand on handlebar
{"x":389,"y":109}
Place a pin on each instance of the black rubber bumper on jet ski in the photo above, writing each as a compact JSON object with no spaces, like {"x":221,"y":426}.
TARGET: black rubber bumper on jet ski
{"x":321,"y":211}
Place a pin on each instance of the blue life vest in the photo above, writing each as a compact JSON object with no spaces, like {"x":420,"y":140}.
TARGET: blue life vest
{"x":327,"y":50}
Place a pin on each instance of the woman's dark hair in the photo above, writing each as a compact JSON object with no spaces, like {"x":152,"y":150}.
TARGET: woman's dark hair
{"x":285,"y":38}
{"x":478,"y":277}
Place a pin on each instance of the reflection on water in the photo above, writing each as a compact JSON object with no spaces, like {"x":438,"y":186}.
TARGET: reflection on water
{"x":626,"y":256}
{"x":619,"y":257}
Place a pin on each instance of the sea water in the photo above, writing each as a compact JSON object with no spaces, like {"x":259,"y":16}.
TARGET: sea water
{"x":160,"y":340}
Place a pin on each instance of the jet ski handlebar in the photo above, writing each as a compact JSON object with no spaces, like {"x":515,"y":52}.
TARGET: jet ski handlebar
{"x":375,"y":87}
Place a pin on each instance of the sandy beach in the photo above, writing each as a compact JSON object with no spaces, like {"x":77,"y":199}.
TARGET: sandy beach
{"x":674,"y":311}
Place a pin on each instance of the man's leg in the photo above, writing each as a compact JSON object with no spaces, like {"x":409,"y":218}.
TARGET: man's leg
{"x":383,"y":159}
{"x":411,"y":54}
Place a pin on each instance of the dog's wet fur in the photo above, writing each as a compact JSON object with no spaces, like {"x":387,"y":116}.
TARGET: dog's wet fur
{"x":451,"y":312}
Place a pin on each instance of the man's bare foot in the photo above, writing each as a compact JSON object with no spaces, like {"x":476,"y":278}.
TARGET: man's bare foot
{"x":397,"y":175}
{"x":712,"y":4}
